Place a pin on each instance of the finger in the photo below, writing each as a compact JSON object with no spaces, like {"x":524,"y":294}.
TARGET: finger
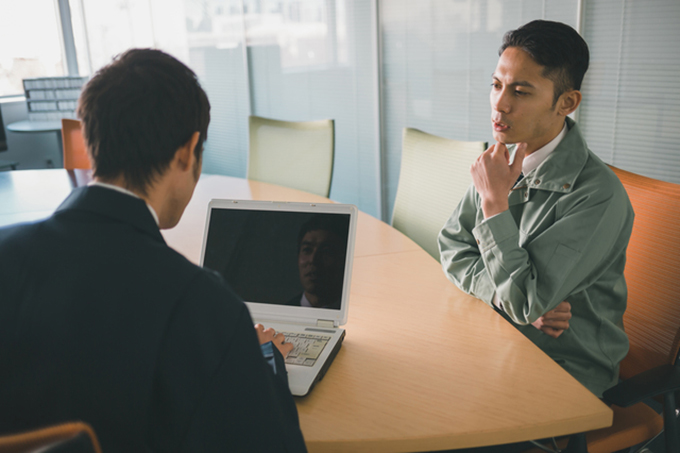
{"x":284,"y":348}
{"x":563,"y":307}
{"x":259,"y":327}
{"x":500,"y":148}
{"x":557,"y":316}
{"x":562,"y":325}
{"x":552,"y":332}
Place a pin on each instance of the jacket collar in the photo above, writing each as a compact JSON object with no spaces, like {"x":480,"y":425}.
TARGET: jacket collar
{"x":561,"y":168}
{"x":114,"y":205}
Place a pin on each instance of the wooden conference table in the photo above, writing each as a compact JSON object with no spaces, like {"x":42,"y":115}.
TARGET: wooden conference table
{"x":423,"y":366}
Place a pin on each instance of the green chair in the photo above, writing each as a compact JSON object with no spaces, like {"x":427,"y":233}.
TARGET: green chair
{"x":292,"y":154}
{"x":435,"y":173}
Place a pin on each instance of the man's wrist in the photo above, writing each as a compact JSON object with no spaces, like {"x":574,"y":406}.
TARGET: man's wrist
{"x":492,"y":208}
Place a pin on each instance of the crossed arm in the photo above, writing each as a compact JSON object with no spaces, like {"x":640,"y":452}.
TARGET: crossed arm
{"x":493,"y":177}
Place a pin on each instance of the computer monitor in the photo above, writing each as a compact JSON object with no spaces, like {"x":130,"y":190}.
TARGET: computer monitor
{"x":3,"y":135}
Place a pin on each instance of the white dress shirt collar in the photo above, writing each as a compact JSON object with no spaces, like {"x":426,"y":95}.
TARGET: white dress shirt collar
{"x":304,"y":302}
{"x":127,"y":192}
{"x":533,"y":160}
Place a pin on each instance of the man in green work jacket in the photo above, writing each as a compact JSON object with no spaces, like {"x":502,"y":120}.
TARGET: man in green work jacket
{"x":541,"y":235}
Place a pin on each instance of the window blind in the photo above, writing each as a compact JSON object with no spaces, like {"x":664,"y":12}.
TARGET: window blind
{"x":631,"y":104}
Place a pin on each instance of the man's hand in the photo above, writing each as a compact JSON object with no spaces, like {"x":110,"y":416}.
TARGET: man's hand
{"x":279,"y":340}
{"x":555,"y":321}
{"x":493,"y":176}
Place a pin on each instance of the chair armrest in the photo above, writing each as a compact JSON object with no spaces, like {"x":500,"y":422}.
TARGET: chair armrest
{"x":648,"y":384}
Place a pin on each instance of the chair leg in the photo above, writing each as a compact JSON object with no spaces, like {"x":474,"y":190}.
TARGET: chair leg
{"x":577,"y":444}
{"x":670,"y":423}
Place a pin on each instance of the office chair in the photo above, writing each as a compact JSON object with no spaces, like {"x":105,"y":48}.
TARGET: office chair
{"x":652,"y":321}
{"x":292,"y":154}
{"x":73,"y":437}
{"x":435,"y":173}
{"x":75,"y":152}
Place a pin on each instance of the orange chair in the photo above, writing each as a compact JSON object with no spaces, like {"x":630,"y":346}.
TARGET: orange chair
{"x":75,"y":152}
{"x":652,"y":321}
{"x":77,"y":435}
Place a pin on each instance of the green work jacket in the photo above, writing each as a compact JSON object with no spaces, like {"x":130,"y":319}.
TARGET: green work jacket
{"x":563,"y":238}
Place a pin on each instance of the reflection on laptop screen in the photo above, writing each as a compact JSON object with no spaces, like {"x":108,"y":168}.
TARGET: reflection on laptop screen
{"x":280,"y":257}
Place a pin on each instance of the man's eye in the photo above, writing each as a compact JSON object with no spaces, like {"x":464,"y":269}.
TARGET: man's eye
{"x":496,"y":86}
{"x":520,"y":93}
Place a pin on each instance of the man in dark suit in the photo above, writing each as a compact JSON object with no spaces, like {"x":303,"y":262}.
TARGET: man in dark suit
{"x":101,"y":321}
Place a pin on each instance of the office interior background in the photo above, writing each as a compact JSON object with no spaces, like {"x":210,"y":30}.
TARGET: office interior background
{"x":374,"y":66}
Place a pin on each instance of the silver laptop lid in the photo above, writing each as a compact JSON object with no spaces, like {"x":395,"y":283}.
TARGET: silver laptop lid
{"x":280,"y":256}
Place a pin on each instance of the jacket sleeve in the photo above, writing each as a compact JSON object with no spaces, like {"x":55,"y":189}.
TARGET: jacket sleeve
{"x":590,"y":230}
{"x":459,"y":252}
{"x":214,"y":389}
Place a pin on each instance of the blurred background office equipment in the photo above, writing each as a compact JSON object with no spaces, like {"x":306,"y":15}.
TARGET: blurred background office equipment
{"x":52,"y":98}
{"x":5,"y":164}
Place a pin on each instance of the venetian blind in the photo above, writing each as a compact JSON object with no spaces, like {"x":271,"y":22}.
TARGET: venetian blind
{"x":631,"y":104}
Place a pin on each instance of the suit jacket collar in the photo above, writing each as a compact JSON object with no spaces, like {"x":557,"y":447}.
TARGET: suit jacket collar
{"x":114,"y":205}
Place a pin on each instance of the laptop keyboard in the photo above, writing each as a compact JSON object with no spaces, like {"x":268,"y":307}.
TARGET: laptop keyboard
{"x":307,"y":347}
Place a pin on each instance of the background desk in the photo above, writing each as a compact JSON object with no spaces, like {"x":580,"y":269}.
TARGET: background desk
{"x":424,"y":366}
{"x":34,"y":127}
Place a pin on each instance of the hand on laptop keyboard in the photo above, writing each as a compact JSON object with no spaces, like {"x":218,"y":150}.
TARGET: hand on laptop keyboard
{"x":279,"y":340}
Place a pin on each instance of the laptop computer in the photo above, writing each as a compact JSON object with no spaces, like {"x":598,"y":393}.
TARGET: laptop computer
{"x":291,"y":263}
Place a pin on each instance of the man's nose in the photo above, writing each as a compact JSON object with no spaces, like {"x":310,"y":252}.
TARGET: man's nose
{"x":500,"y":101}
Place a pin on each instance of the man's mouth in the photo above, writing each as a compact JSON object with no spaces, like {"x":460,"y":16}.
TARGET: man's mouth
{"x":500,"y":126}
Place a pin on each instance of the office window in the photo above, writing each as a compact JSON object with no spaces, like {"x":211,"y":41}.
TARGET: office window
{"x":631,"y":105}
{"x":316,"y":59}
{"x":437,"y":61}
{"x":31,"y":43}
{"x":206,"y":35}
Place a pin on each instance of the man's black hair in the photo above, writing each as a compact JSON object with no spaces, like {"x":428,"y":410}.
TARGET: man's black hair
{"x":137,"y":111}
{"x":557,"y":47}
{"x":334,"y":224}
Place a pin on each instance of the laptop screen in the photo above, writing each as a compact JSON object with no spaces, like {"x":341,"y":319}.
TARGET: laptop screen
{"x":280,"y":257}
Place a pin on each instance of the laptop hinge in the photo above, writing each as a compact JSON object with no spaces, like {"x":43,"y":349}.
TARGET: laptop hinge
{"x":324,"y":323}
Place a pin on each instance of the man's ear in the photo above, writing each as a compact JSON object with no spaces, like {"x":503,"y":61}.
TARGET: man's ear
{"x":568,"y":102}
{"x":185,"y":154}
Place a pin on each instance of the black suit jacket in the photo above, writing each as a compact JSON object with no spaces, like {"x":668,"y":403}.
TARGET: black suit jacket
{"x":101,"y":321}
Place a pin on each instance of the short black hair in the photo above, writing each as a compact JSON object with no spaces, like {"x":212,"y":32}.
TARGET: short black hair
{"x":557,"y":47}
{"x":338,"y":225}
{"x":137,"y":111}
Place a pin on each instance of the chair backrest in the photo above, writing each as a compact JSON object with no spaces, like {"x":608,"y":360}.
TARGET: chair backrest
{"x":75,"y":152}
{"x":652,"y":318}
{"x":292,"y":154}
{"x":66,"y":437}
{"x":435,"y":173}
